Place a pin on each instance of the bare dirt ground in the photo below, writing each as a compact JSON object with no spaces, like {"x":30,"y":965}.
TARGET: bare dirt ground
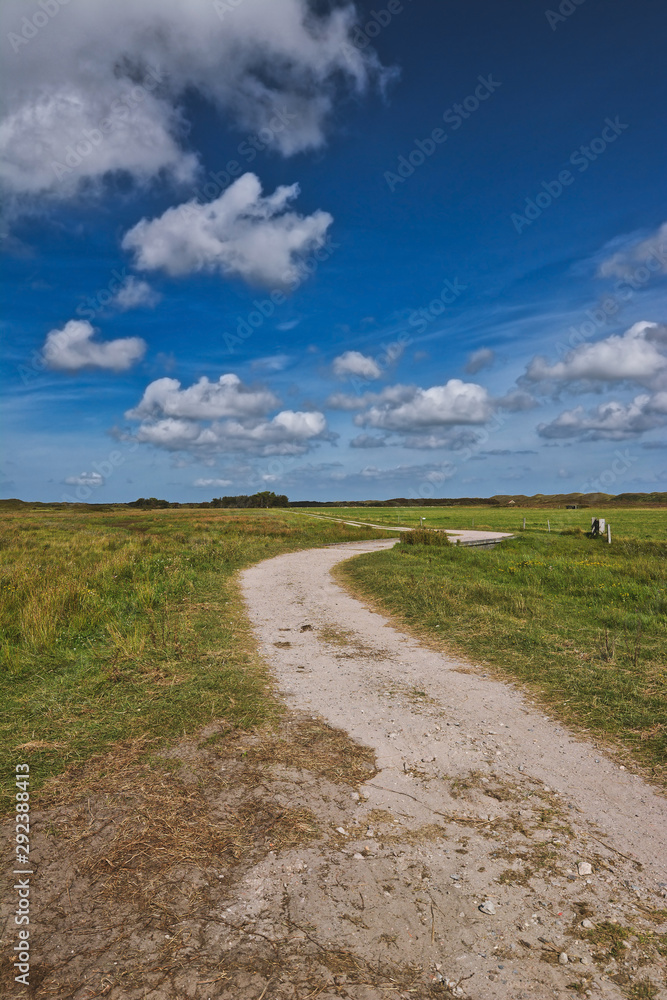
{"x":345,"y":854}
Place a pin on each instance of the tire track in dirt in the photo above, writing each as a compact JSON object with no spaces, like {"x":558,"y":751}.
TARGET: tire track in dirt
{"x":479,"y":797}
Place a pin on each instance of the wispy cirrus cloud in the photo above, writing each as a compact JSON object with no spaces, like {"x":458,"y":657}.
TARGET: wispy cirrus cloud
{"x":208,"y":483}
{"x":642,"y":252}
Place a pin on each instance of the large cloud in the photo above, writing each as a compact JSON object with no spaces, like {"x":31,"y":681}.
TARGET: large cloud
{"x":210,"y":418}
{"x":241,"y":233}
{"x":612,"y":421}
{"x":647,"y":253}
{"x":99,"y":87}
{"x":456,"y":402}
{"x":639,"y":355}
{"x":73,"y":348}
{"x":204,"y":400}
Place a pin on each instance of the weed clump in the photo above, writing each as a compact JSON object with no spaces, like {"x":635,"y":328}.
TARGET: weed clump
{"x":425,"y":536}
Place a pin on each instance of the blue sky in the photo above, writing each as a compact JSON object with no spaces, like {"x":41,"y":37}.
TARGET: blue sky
{"x":405,"y":248}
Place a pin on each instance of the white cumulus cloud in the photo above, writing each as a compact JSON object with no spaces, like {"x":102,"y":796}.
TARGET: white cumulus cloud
{"x":240,"y":234}
{"x":355,"y":363}
{"x":612,"y":421}
{"x":638,"y":355}
{"x":101,"y":86}
{"x":73,"y":348}
{"x":206,"y":483}
{"x":210,"y":418}
{"x":204,"y":400}
{"x":456,"y":402}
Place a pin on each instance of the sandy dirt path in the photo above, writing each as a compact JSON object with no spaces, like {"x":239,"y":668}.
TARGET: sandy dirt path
{"x":462,"y":536}
{"x":480,"y":802}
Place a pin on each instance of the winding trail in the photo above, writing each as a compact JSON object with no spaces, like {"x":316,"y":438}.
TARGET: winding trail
{"x":522,"y":800}
{"x":460,"y":536}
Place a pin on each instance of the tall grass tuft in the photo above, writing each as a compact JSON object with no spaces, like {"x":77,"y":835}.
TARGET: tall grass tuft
{"x":424,"y":536}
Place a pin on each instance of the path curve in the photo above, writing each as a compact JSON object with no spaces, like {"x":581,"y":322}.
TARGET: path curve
{"x":451,"y":742}
{"x":464,"y":536}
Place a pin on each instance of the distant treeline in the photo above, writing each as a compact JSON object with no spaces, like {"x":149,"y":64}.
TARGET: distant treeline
{"x":269,"y":499}
{"x":264,"y":499}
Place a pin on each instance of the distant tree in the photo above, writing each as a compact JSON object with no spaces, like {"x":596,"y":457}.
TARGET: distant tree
{"x":264,"y":499}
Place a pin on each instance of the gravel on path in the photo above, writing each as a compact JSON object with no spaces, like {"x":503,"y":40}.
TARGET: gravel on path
{"x":490,"y":832}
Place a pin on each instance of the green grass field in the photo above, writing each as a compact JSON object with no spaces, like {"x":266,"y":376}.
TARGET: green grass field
{"x":630,"y":522}
{"x":581,"y":622}
{"x":127,"y":625}
{"x":120,"y":626}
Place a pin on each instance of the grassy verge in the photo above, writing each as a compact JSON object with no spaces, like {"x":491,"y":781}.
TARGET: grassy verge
{"x":128,"y":626}
{"x":649,"y":524}
{"x":584,"y":624}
